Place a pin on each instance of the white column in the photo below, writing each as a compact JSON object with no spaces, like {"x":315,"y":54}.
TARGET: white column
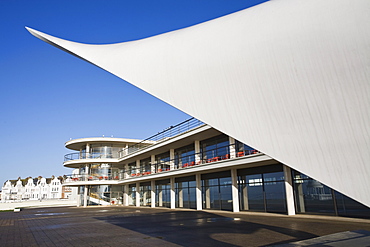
{"x":232,"y":148}
{"x":137,"y":166}
{"x":172,"y":193}
{"x":85,"y":196}
{"x":87,"y":150}
{"x":234,"y":190}
{"x":152,"y":193}
{"x":152,"y":163}
{"x":86,"y":173}
{"x":172,"y":159}
{"x":181,"y":196}
{"x":289,"y":190}
{"x":126,"y":173}
{"x":137,"y":194}
{"x":302,"y":207}
{"x":160,"y":197}
{"x":245,"y":196}
{"x":198,"y":182}
{"x":197,"y":152}
{"x":125,"y":195}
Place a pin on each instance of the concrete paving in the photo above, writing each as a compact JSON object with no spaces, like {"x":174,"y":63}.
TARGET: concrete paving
{"x":130,"y":226}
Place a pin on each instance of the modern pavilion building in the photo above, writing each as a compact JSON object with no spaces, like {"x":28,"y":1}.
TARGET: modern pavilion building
{"x":291,"y":79}
{"x":192,"y":165}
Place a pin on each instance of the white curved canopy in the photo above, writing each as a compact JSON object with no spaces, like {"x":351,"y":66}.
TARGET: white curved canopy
{"x":288,"y":77}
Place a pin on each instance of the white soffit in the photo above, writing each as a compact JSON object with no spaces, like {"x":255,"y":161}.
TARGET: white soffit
{"x":288,"y":77}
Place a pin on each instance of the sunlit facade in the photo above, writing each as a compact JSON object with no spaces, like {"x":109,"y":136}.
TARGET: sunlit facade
{"x":192,"y":165}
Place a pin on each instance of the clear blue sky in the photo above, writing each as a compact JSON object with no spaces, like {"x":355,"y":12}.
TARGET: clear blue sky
{"x":48,"y":96}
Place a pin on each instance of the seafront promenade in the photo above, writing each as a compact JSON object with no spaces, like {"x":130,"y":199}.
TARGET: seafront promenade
{"x":131,"y":226}
{"x":37,"y":203}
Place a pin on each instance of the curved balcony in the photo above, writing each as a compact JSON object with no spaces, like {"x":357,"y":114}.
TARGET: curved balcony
{"x":79,"y":156}
{"x":74,"y":159}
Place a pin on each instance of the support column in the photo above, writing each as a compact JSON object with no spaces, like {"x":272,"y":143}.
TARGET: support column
{"x":152,"y":163}
{"x":85,"y":196}
{"x":232,"y":148}
{"x":198,"y":182}
{"x":125,"y":195}
{"x":302,"y":206}
{"x":126,"y":173}
{"x":86,"y":173}
{"x":245,"y":195}
{"x":172,"y":159}
{"x":197,"y":152}
{"x":137,"y":167}
{"x":137,"y":203}
{"x":289,"y":190}
{"x":160,"y":196}
{"x":152,"y":193}
{"x":87,"y":151}
{"x":181,"y":196}
{"x":234,"y":190}
{"x":172,"y":193}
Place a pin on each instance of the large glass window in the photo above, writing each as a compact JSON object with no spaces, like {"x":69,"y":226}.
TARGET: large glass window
{"x":163,"y":162}
{"x":99,"y":195}
{"x":145,"y":194}
{"x":243,"y":149}
{"x":216,"y":191}
{"x":185,"y":192}
{"x":132,"y":169}
{"x":185,"y":157}
{"x":104,"y":151}
{"x":132,"y":195}
{"x":262,"y":189}
{"x":311,"y":196}
{"x":215,"y":149}
{"x":163,"y":189}
{"x":145,"y":167}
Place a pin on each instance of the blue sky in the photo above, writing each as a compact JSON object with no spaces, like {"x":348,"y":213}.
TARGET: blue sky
{"x":48,"y":96}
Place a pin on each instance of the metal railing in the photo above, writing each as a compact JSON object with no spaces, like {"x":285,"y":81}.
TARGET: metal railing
{"x":170,"y":132}
{"x":183,"y":162}
{"x":77,"y":156}
{"x":205,"y":157}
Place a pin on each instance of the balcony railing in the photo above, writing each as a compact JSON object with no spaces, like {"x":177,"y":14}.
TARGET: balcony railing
{"x":178,"y":163}
{"x":170,"y":132}
{"x":95,"y":177}
{"x":77,"y":156}
{"x":189,"y":161}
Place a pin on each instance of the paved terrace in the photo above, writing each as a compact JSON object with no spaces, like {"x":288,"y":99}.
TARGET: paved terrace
{"x":129,"y":226}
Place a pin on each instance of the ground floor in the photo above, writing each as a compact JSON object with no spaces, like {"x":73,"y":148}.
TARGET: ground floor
{"x":271,"y":188}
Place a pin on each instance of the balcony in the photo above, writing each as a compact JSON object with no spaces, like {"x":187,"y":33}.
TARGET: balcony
{"x":185,"y":162}
{"x":79,"y":156}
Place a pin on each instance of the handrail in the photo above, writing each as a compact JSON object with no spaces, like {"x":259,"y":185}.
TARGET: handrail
{"x":169,"y":132}
{"x":163,"y":135}
{"x":92,"y":155}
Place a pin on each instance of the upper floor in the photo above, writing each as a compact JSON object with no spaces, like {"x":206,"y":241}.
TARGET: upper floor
{"x":181,"y":148}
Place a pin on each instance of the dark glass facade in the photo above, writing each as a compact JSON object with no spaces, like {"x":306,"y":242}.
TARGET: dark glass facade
{"x":262,"y":189}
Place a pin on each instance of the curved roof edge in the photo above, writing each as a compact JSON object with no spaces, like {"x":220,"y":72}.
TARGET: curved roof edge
{"x":75,"y":144}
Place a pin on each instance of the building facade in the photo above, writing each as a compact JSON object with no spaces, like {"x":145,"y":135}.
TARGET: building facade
{"x":192,"y":165}
{"x":37,"y":189}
